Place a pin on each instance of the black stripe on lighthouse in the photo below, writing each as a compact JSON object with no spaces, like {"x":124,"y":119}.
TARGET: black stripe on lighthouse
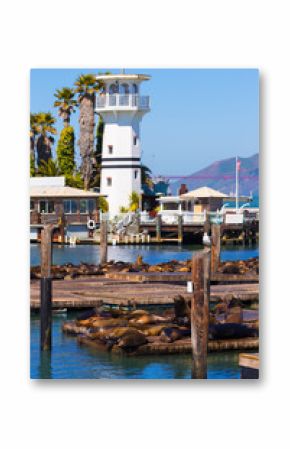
{"x":121,"y":159}
{"x":120,"y":166}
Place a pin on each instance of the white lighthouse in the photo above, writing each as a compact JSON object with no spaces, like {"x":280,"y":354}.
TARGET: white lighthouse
{"x":122,"y":108}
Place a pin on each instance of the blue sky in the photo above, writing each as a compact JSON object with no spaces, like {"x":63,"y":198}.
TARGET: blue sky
{"x":197,"y":115}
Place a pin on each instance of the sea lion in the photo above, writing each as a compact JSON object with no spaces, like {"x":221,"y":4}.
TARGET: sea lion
{"x":148,"y":319}
{"x":181,"y":310}
{"x":231,"y":330}
{"x":108,"y":322}
{"x":153,"y":331}
{"x":132,"y":340}
{"x":171,"y":334}
{"x":234,"y":315}
{"x":138,"y":312}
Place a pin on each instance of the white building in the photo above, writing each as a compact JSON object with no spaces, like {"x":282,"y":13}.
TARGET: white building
{"x":122,"y":108}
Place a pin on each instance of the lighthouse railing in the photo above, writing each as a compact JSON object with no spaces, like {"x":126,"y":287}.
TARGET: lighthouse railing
{"x":123,"y":100}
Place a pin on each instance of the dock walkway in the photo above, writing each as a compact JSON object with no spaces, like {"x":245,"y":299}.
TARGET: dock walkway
{"x":88,"y":291}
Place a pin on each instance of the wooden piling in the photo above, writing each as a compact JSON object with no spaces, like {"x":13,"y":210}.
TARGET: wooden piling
{"x":200,"y":314}
{"x":158,"y":228}
{"x":103,"y":241}
{"x":215,"y":246}
{"x":180,"y":228}
{"x":46,"y":288}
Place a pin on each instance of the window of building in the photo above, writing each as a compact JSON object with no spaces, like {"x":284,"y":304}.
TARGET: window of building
{"x":31,"y":205}
{"x":46,"y":207}
{"x":110,"y":149}
{"x":135,"y":140}
{"x":87,"y":206}
{"x":83,"y":206}
{"x":135,"y":89}
{"x":109,"y":182}
{"x":70,"y":206}
{"x":136,"y":174}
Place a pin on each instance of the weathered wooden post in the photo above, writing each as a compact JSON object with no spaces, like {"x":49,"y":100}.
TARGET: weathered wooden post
{"x":180,"y":228}
{"x":158,"y":228}
{"x":46,"y":287}
{"x":138,"y":222}
{"x":215,"y":246}
{"x":200,"y":313}
{"x":103,"y":240}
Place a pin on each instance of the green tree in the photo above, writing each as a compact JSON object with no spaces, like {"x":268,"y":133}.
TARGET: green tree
{"x":75,"y":180}
{"x":65,"y":151}
{"x":65,"y":103}
{"x":48,"y":168}
{"x":86,"y":88}
{"x":103,"y":204}
{"x":46,"y":130}
{"x":33,"y":135}
{"x":32,"y":167}
{"x":134,"y":201}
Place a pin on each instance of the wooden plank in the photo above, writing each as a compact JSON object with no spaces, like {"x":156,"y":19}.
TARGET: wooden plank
{"x":249,"y":361}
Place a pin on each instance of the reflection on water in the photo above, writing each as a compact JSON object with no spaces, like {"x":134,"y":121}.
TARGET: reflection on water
{"x":128,"y":253}
{"x":70,"y":361}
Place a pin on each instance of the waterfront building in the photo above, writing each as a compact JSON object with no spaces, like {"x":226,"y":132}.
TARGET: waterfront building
{"x":122,"y":108}
{"x":52,"y":201}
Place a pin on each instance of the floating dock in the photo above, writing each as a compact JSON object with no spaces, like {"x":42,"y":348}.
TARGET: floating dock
{"x":85,"y":292}
{"x":184,"y":346}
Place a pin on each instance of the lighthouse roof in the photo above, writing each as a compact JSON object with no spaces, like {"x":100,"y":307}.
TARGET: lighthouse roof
{"x":123,"y":77}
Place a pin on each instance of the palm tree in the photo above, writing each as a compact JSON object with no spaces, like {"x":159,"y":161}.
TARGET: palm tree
{"x":146,"y":175}
{"x":49,"y":168}
{"x":33,"y":134}
{"x":46,"y":130}
{"x":66,"y":104}
{"x":86,"y":88}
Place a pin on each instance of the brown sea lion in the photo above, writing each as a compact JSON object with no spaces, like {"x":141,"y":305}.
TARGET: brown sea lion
{"x":148,"y":319}
{"x":153,"y":331}
{"x":181,"y":310}
{"x":108,"y":322}
{"x":132,"y":339}
{"x":171,"y":334}
{"x":234,"y":315}
{"x":231,"y":330}
{"x":138,"y":312}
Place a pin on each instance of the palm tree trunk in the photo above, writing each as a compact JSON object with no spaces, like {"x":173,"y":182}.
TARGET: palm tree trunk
{"x":43,"y":149}
{"x":66,"y":119}
{"x":86,"y":141}
{"x":32,"y":148}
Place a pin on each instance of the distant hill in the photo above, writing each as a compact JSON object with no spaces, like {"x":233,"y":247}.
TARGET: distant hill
{"x":221,"y":176}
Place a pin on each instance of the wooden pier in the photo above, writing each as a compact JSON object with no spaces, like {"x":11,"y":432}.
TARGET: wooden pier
{"x":249,"y":364}
{"x":130,"y":288}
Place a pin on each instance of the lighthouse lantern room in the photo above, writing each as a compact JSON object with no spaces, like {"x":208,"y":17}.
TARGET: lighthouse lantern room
{"x":122,"y":107}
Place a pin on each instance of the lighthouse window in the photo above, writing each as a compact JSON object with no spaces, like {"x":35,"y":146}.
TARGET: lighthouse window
{"x":109,"y":182}
{"x":135,"y":140}
{"x":113,"y":89}
{"x":110,"y":149}
{"x":124,"y":89}
{"x":136,"y":174}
